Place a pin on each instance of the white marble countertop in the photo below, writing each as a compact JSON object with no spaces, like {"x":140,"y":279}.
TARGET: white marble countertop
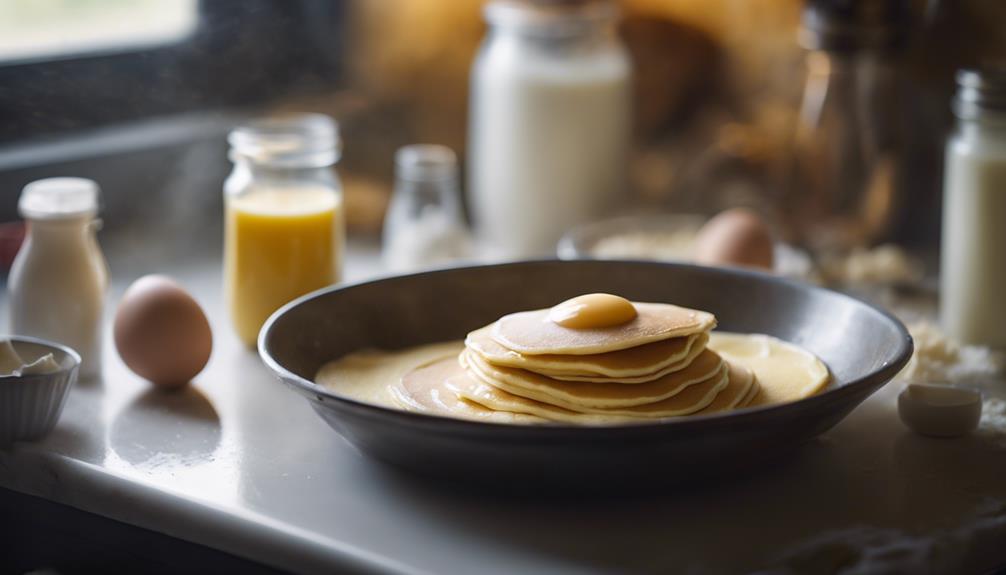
{"x":239,"y":463}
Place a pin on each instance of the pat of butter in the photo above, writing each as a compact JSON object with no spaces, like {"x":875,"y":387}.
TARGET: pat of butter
{"x":940,"y":410}
{"x":42,"y":365}
{"x":591,"y":311}
{"x":11,"y":364}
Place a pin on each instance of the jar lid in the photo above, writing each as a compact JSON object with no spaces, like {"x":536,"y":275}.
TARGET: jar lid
{"x":854,"y":25}
{"x":59,"y":198}
{"x":305,"y":140}
{"x":550,"y":18}
{"x":981,"y":89}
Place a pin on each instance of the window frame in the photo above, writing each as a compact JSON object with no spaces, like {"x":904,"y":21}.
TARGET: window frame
{"x":242,"y":53}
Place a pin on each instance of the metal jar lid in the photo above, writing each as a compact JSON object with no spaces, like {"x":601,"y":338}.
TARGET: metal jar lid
{"x":550,"y":18}
{"x":981,"y":90}
{"x":851,"y":25}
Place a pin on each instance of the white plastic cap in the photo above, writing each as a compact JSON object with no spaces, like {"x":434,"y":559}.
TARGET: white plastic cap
{"x":59,"y":198}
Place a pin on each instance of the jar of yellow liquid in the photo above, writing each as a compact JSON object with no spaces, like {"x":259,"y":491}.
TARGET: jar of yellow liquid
{"x":284,"y":230}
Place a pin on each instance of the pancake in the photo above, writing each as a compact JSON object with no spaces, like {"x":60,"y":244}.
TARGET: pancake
{"x":691,"y":399}
{"x":579,"y":396}
{"x":423,"y":389}
{"x":784,"y":371}
{"x":752,"y":393}
{"x":643,"y":360}
{"x":742,"y":380}
{"x":533,"y":333}
{"x":697,"y":348}
{"x":493,"y":399}
{"x":366,"y":375}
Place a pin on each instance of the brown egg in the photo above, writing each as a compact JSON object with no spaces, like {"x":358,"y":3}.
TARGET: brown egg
{"x":161,"y":332}
{"x":735,"y":237}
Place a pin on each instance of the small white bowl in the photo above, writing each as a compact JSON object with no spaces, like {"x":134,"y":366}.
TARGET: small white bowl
{"x":30,"y":405}
{"x":940,"y":410}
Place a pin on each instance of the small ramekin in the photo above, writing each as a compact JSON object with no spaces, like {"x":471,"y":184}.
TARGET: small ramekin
{"x":30,"y":405}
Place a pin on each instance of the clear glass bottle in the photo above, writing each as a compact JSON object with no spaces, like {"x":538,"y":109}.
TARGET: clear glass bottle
{"x":284,"y":230}
{"x":843,"y":189}
{"x":973,"y":262}
{"x":549,"y":122}
{"x":59,"y":277}
{"x":424,"y":224}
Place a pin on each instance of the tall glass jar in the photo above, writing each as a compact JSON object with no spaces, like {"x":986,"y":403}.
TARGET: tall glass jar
{"x":284,"y":230}
{"x":973,"y":263}
{"x":549,"y":121}
{"x":844,"y":189}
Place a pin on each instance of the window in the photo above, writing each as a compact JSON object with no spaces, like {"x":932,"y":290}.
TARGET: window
{"x":73,"y":65}
{"x":50,"y":29}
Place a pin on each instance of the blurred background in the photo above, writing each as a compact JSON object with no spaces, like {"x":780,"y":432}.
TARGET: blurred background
{"x":139,"y":95}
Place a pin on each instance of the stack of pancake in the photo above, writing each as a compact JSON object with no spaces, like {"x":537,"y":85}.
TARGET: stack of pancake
{"x":526,"y":367}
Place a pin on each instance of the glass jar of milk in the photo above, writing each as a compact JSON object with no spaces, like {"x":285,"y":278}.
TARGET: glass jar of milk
{"x":549,"y":123}
{"x":283,"y":227}
{"x":973,"y":268}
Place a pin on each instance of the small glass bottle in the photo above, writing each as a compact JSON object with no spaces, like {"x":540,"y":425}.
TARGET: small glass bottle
{"x":550,"y":120}
{"x":284,"y":230}
{"x":424,"y":225}
{"x":973,"y":262}
{"x":58,"y":280}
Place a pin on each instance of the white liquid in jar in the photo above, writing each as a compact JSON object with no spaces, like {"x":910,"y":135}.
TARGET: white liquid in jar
{"x":57,"y":288}
{"x":973,"y":268}
{"x":548,"y":142}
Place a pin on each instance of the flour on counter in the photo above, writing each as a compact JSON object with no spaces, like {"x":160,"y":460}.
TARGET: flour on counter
{"x":939,"y":359}
{"x":993,"y":421}
{"x":970,"y":548}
